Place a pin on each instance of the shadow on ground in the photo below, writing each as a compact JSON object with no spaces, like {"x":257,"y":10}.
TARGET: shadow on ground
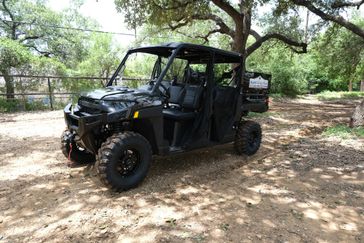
{"x":298,"y":187}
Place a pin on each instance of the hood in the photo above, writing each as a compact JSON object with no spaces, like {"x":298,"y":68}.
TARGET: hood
{"x":115,"y":93}
{"x":115,"y":98}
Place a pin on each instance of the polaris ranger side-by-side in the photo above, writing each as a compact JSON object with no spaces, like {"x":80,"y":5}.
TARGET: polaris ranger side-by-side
{"x":195,"y":97}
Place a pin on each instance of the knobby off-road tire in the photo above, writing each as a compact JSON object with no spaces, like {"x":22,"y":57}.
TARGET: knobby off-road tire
{"x":124,"y":160}
{"x":248,"y":138}
{"x":77,"y":155}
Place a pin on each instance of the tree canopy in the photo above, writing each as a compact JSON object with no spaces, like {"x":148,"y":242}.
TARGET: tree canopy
{"x":232,"y":20}
{"x":30,"y":30}
{"x":236,"y":20}
{"x":272,"y":35}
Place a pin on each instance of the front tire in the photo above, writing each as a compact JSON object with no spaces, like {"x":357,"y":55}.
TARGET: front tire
{"x":248,"y":138}
{"x":77,"y":155}
{"x":124,"y":160}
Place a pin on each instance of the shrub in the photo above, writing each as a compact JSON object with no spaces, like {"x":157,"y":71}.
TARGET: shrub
{"x":343,"y":131}
{"x":9,"y":105}
{"x":331,"y":95}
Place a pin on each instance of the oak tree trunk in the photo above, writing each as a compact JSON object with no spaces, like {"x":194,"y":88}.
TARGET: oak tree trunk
{"x":350,"y":86}
{"x":9,"y":84}
{"x":357,"y":119}
{"x":240,"y":40}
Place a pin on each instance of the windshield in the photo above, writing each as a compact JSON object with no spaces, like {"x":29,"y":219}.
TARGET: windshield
{"x":140,"y":70}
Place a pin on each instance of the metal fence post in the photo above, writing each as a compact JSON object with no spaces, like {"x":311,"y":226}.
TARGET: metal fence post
{"x":50,"y":93}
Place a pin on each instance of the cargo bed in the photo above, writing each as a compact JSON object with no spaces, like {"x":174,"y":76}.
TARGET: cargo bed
{"x":255,"y":92}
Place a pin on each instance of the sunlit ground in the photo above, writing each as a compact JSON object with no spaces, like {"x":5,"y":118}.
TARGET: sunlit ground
{"x":300,"y":186}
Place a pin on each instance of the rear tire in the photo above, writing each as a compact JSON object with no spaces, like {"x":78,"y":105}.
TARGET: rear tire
{"x":77,"y":156}
{"x":124,"y":160}
{"x":248,"y":138}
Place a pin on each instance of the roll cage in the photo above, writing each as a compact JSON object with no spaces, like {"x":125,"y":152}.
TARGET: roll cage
{"x":194,"y":54}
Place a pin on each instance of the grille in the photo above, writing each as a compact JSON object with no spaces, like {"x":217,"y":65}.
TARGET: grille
{"x":87,"y":99}
{"x":86,"y":104}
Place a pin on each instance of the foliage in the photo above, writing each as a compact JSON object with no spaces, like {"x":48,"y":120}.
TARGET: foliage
{"x":12,"y":54}
{"x":343,"y":131}
{"x":336,"y":55}
{"x":224,"y":17}
{"x":330,"y":95}
{"x":29,"y":104}
{"x":102,"y":58}
{"x":36,"y":105}
{"x":289,"y":71}
{"x":159,"y":12}
{"x":9,"y":105}
{"x":329,"y":65}
{"x":29,"y":35}
{"x":32,"y":44}
{"x":292,"y":75}
{"x":340,"y":59}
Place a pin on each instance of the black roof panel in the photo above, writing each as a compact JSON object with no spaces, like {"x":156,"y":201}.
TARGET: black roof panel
{"x":192,"y":52}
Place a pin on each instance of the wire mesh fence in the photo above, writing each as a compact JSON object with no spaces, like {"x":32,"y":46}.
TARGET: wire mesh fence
{"x":33,"y":92}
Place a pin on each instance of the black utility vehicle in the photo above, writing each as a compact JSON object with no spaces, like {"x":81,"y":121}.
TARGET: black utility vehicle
{"x":194,"y":97}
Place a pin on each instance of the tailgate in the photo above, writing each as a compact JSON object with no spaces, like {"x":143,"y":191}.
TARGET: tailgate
{"x":255,"y":92}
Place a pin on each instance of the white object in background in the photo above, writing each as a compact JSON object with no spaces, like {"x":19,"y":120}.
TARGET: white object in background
{"x":258,"y":83}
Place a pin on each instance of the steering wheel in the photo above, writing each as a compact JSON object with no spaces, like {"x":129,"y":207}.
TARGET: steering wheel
{"x":165,"y":93}
{"x":164,"y":87}
{"x":151,"y":82}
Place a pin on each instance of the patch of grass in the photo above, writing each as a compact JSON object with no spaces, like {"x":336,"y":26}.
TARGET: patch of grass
{"x":331,"y":95}
{"x":343,"y":131}
{"x":224,"y":227}
{"x":276,"y":96}
{"x":36,"y":105}
{"x":199,"y":237}
{"x":258,"y":115}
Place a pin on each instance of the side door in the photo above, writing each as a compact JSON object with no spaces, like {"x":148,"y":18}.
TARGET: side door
{"x":225,"y":97}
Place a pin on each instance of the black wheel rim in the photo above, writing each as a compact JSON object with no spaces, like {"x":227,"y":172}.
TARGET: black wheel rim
{"x":128,"y":163}
{"x":253,"y":140}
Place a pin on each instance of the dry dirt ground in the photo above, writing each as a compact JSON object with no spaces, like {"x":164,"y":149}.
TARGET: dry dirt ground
{"x":299,"y":187}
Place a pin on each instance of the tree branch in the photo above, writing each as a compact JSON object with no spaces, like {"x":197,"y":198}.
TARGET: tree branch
{"x":277,"y":36}
{"x":230,"y":10}
{"x":31,"y":38}
{"x":7,"y":10}
{"x":334,"y":18}
{"x":178,"y":25}
{"x":341,"y":4}
{"x":44,"y":53}
{"x":254,"y":34}
{"x":6,"y":22}
{"x":14,"y":24}
{"x":224,"y":28}
{"x":205,"y":37}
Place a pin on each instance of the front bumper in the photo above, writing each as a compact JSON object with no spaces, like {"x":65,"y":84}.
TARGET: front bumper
{"x":84,"y":126}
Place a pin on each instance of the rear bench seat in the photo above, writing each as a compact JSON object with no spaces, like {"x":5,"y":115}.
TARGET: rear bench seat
{"x":184,"y":101}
